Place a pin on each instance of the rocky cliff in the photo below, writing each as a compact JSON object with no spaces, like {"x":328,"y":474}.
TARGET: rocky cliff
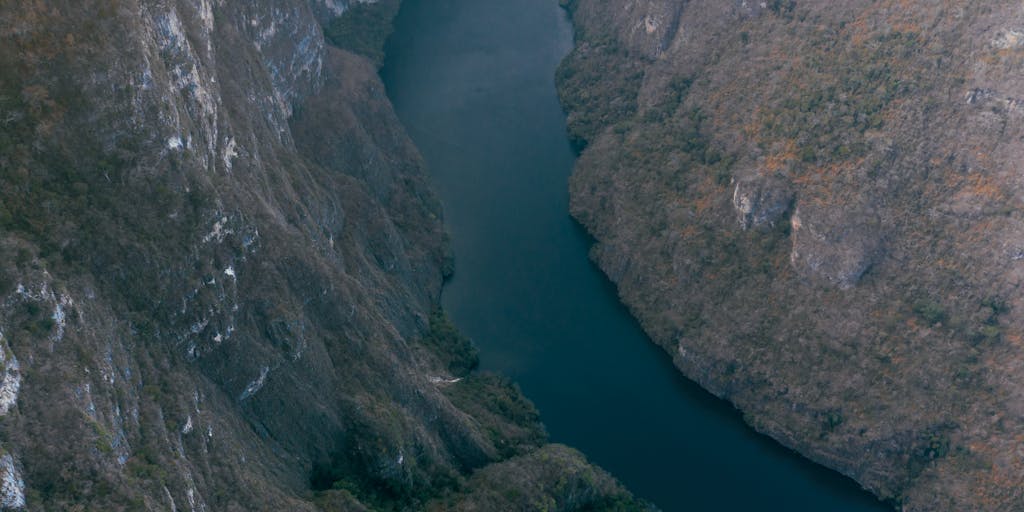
{"x":815,"y":208}
{"x":219,"y":268}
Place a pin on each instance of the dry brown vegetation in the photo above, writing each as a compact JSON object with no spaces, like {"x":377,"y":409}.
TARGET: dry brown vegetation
{"x":874,"y":326}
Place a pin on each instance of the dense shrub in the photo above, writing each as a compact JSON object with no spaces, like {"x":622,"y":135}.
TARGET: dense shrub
{"x":453,"y":348}
{"x":363,"y":28}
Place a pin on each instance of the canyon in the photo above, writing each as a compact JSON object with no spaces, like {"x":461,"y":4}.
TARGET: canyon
{"x":222,"y":257}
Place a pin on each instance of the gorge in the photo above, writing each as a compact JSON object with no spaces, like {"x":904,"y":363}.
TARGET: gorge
{"x":227,"y":281}
{"x":473,"y":82}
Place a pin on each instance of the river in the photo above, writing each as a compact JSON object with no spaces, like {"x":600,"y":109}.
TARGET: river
{"x":473,"y":81}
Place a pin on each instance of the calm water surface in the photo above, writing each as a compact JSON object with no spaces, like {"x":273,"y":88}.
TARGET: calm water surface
{"x":473,"y":82}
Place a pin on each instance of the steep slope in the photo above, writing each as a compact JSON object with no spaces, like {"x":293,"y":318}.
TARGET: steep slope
{"x":220,"y":260}
{"x":815,"y":208}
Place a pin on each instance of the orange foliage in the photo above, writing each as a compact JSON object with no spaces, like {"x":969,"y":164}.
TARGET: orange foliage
{"x":982,"y":186}
{"x":779,"y":161}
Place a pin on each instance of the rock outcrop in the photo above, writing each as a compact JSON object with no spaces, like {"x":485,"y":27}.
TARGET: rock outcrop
{"x":833,"y":245}
{"x":761,"y":202}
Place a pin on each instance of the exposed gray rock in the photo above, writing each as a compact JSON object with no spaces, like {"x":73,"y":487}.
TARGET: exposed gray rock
{"x":648,"y":26}
{"x":327,"y":10}
{"x":761,"y":201}
{"x":12,"y":487}
{"x":834,"y":245}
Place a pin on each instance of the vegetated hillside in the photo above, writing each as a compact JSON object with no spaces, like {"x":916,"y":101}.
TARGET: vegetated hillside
{"x":815,"y":207}
{"x":220,"y":265}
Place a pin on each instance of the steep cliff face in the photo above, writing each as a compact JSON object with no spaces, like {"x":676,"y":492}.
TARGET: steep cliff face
{"x":218,"y":263}
{"x":815,"y":208}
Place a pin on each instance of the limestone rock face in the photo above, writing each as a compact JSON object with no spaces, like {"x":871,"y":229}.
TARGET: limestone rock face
{"x":326,"y":10}
{"x":197,"y":261}
{"x":761,"y":201}
{"x":647,"y":27}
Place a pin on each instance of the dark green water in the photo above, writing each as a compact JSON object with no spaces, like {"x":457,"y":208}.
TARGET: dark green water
{"x":473,"y":82}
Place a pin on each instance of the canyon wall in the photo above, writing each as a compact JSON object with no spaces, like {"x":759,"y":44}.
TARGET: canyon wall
{"x":220,"y":264}
{"x":815,"y":208}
